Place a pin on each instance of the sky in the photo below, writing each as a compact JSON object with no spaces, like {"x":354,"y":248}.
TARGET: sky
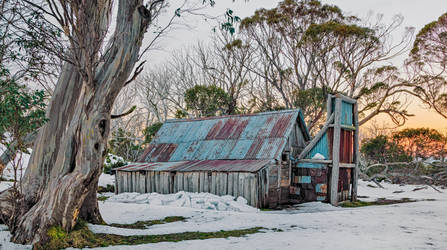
{"x":416,"y":13}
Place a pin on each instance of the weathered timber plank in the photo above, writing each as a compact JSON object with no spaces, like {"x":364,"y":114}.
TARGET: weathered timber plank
{"x":230,"y":184}
{"x":247,"y":187}
{"x":124,"y":186}
{"x":223,"y":184}
{"x":213,"y":183}
{"x":157,"y":181}
{"x":254,"y":188}
{"x":241,"y":184}
{"x":190,"y":182}
{"x":196,"y":182}
{"x":235,"y":184}
{"x":153,"y":186}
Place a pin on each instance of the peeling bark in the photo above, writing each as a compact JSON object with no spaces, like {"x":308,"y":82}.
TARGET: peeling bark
{"x":60,"y":183}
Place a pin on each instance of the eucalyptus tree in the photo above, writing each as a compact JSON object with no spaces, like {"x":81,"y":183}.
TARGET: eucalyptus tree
{"x":305,"y":45}
{"x":428,"y":62}
{"x":60,"y":182}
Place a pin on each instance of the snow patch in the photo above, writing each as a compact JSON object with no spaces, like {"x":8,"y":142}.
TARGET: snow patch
{"x":185,"y":199}
{"x":106,"y":179}
{"x":318,"y":156}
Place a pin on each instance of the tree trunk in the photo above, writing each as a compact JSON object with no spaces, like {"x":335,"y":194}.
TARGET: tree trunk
{"x":60,"y":183}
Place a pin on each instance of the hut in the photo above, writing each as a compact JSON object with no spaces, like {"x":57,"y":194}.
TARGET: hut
{"x":267,"y":158}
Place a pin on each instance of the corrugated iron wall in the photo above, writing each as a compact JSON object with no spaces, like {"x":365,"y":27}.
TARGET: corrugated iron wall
{"x":346,"y":112}
{"x":346,"y":145}
{"x":322,"y":147}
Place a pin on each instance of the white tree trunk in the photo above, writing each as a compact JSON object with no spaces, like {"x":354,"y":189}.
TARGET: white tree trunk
{"x":61,"y":180}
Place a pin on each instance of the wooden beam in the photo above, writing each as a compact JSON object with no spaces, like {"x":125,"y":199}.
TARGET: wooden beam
{"x":335,"y":153}
{"x":316,"y":138}
{"x":315,"y":161}
{"x":347,"y":165}
{"x":345,"y":127}
{"x":355,"y":174}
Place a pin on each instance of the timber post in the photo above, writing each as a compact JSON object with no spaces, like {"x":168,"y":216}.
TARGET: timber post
{"x":335,"y":152}
{"x":355,"y":174}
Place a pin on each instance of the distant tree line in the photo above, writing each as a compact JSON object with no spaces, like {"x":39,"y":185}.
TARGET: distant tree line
{"x":292,"y":56}
{"x":411,"y":144}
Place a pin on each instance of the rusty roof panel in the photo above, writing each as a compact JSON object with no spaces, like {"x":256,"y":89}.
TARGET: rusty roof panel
{"x":192,"y":166}
{"x":238,"y":137}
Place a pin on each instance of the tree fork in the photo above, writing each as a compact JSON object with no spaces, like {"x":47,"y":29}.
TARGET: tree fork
{"x":61,"y":180}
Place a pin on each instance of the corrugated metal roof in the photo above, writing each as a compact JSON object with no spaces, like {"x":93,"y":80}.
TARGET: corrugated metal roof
{"x":191,"y":166}
{"x":237,"y":137}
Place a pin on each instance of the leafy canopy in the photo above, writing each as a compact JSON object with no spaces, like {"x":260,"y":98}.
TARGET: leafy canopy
{"x":22,"y":110}
{"x":206,"y":101}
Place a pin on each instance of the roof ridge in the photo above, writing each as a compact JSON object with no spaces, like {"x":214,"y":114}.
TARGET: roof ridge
{"x":229,"y":116}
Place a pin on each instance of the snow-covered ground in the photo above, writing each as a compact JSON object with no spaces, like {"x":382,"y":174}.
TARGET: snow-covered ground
{"x":416,"y":225}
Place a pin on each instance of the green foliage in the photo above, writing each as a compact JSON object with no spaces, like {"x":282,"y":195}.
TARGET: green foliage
{"x":230,"y":22}
{"x":111,"y":162}
{"x":57,"y":233}
{"x":151,"y":131}
{"x":381,"y":150}
{"x":148,"y":223}
{"x":25,"y":39}
{"x":180,"y":114}
{"x":378,"y":202}
{"x":103,"y":198}
{"x":207,"y":101}
{"x":83,"y":237}
{"x":428,"y":60}
{"x":108,"y":189}
{"x":315,"y":32}
{"x":311,"y":101}
{"x":125,"y":145}
{"x":425,"y":45}
{"x":22,"y":110}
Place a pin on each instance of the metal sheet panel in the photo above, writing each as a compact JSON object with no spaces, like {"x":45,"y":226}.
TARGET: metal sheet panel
{"x":346,"y":113}
{"x":322,"y":147}
{"x":238,"y":137}
{"x":193,"y":166}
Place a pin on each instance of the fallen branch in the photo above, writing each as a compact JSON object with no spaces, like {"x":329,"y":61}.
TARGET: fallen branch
{"x":377,"y":183}
{"x":439,"y":191}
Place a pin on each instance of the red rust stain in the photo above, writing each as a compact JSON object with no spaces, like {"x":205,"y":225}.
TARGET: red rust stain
{"x":146,"y":153}
{"x":280,"y":126}
{"x":226,"y":130}
{"x":346,"y":145}
{"x":239,"y":128}
{"x":163,"y":152}
{"x":214,"y":131}
{"x":254,"y":149}
{"x":344,"y":179}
